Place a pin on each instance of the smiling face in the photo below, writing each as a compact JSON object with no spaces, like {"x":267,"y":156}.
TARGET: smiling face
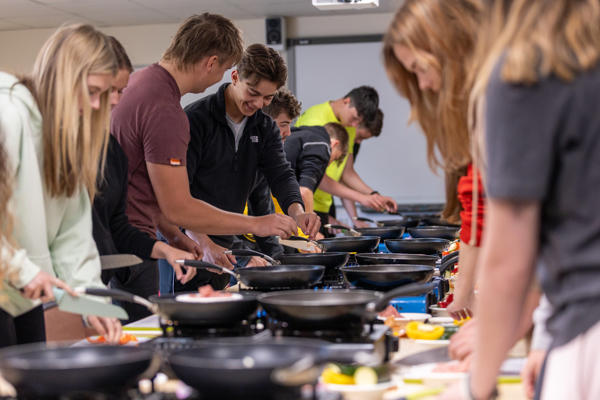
{"x":284,"y":123}
{"x":250,"y":96}
{"x":428,"y":77}
{"x":119,"y":84}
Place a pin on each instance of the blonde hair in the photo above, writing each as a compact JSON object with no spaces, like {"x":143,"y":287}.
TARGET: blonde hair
{"x":536,"y":39}
{"x":441,"y":34}
{"x":75,"y":136}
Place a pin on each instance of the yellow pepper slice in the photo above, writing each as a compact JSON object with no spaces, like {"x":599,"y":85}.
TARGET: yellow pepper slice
{"x":418,"y":330}
{"x":329,"y":375}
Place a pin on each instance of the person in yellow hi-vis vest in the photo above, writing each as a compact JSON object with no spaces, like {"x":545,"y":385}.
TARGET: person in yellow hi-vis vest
{"x":356,"y":107}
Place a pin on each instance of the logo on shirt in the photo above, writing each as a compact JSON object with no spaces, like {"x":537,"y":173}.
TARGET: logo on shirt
{"x":254,"y":139}
{"x":175,"y":161}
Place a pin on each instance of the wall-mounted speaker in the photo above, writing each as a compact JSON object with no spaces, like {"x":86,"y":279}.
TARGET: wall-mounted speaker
{"x":275,"y":32}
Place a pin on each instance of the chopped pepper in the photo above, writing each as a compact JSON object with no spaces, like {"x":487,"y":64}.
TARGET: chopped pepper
{"x":418,"y":330}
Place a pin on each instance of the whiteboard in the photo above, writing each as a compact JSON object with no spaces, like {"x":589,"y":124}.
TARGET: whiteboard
{"x":395,"y":163}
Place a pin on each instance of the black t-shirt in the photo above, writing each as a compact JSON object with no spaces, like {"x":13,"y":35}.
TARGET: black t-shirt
{"x":308,"y":150}
{"x":543,"y":144}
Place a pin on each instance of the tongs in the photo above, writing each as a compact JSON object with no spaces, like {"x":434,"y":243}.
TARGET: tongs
{"x":343,"y":228}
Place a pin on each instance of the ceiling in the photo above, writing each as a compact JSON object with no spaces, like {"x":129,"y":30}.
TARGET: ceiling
{"x":30,"y":14}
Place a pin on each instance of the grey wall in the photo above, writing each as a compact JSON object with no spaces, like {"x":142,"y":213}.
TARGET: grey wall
{"x":394,"y":163}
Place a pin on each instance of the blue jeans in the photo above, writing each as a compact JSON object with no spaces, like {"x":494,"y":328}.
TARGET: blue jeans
{"x":166,"y":275}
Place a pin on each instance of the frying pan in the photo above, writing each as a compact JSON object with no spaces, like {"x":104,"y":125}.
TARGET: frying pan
{"x":41,"y":370}
{"x":242,"y":368}
{"x":388,"y":232}
{"x":393,"y":258}
{"x":417,"y":246}
{"x":322,"y":308}
{"x":275,"y":276}
{"x":213,"y":313}
{"x":443,"y":232}
{"x":436,"y":221}
{"x":402,"y":221}
{"x":386,"y":276}
{"x":350,"y":244}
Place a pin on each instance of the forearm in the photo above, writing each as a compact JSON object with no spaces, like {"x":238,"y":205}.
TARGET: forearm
{"x":338,"y":189}
{"x":307,"y":198}
{"x":295,"y":209}
{"x":351,"y":178}
{"x":350,"y":207}
{"x":467,"y":274}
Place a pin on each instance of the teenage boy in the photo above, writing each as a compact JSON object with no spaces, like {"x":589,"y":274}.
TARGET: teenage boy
{"x":232,"y":140}
{"x":360,"y":104}
{"x":153,"y":130}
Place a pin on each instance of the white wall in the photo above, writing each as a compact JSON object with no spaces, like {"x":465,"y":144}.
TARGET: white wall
{"x":145,"y":43}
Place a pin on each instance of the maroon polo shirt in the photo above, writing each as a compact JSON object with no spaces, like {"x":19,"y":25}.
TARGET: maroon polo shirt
{"x":150,"y":126}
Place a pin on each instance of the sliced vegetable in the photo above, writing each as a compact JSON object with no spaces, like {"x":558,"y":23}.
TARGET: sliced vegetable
{"x":448,"y":332}
{"x":365,"y":376}
{"x":330,"y":376}
{"x":418,"y":330}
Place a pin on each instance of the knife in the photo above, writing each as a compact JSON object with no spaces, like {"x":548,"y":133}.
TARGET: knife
{"x":114,"y":261}
{"x":85,"y":305}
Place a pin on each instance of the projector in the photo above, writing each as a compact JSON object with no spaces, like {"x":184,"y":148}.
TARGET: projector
{"x":344,"y":4}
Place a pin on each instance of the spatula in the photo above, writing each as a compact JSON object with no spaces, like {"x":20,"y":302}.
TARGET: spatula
{"x":85,"y":305}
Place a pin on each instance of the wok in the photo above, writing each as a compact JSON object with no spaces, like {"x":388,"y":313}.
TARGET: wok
{"x":393,"y":258}
{"x":350,"y":244}
{"x":417,"y":246}
{"x":443,"y":232}
{"x":385,"y":276}
{"x":323,"y":308}
{"x":41,"y":370}
{"x":275,"y":276}
{"x":214,"y":313}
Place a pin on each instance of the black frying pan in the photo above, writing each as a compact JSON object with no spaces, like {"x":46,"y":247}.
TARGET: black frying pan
{"x":402,"y":221}
{"x":443,"y":232}
{"x":39,"y":371}
{"x":350,"y":244}
{"x":385,"y":276}
{"x":393,"y":258}
{"x":436,"y":221}
{"x":275,"y":276}
{"x":387,"y":232}
{"x":417,"y":246}
{"x":323,"y":308}
{"x":227,"y":311}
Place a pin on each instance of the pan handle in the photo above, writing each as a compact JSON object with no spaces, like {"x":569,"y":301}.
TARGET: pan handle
{"x":122,"y":295}
{"x":448,"y":261}
{"x":343,"y":228}
{"x":379,"y":224}
{"x":249,"y":252}
{"x":414,"y":289}
{"x":207,"y":266}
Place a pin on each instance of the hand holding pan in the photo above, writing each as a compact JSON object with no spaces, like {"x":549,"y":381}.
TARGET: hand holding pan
{"x":251,"y":253}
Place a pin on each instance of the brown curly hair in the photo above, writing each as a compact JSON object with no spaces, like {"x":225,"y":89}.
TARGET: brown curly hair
{"x":283,"y":101}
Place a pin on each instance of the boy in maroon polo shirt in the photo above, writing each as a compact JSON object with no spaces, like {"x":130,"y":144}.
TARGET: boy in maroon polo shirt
{"x":153,"y":130}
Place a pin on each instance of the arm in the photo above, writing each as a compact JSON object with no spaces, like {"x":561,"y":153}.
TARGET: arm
{"x":464,"y":286}
{"x":171,"y":187}
{"x":351,"y":178}
{"x":307,"y":198}
{"x":508,"y":276}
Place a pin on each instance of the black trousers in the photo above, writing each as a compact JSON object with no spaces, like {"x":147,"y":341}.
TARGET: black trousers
{"x":26,"y":328}
{"x":141,"y":280}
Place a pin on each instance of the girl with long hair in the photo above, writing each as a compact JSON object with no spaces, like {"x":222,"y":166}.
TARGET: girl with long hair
{"x":55,"y":124}
{"x":426,"y":52}
{"x":534,"y":107}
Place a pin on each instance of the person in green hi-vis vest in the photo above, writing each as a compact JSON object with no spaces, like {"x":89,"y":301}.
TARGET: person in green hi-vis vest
{"x":356,"y":107}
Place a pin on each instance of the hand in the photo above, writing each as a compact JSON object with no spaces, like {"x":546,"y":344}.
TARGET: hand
{"x":310,"y":223}
{"x":215,"y":254}
{"x":110,"y":328}
{"x":531,"y":371}
{"x":275,"y":225}
{"x":390,"y":204}
{"x":183,"y":274}
{"x":361,"y":224}
{"x":374,"y":201}
{"x":319,"y":236}
{"x":459,"y":310}
{"x":334,"y":221}
{"x":462,"y":342}
{"x":40,"y":287}
{"x":256,"y":261}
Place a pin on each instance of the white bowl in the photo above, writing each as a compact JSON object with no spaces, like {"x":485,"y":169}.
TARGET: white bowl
{"x":438,"y":311}
{"x":360,"y":392}
{"x":419,"y":317}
